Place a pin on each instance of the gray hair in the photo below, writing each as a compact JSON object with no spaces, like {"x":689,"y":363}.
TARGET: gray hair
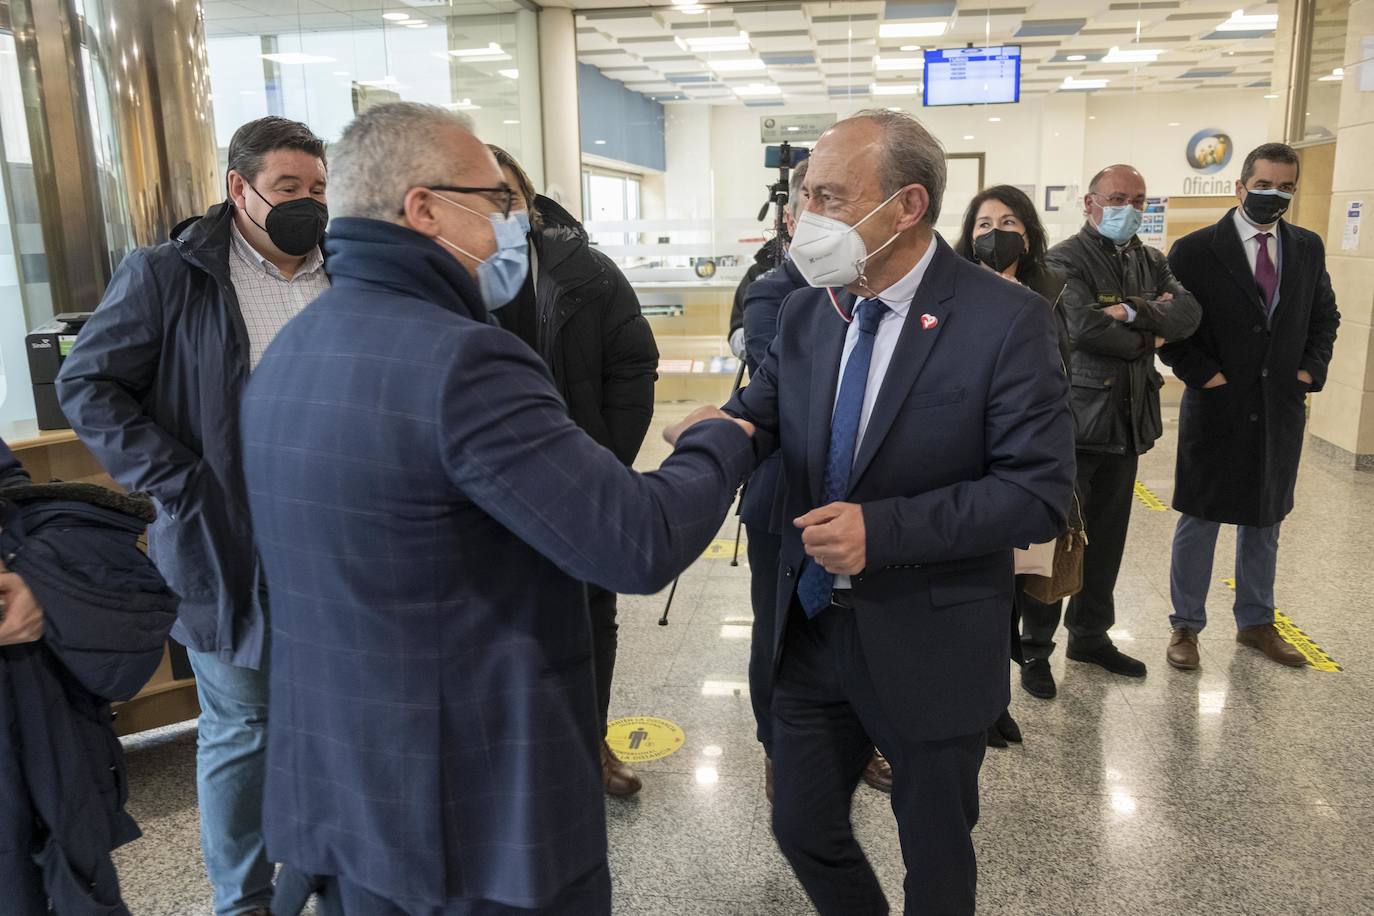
{"x":386,"y":151}
{"x":911,"y":155}
{"x":794,"y":189}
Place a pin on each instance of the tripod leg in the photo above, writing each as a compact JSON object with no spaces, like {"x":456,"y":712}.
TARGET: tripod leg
{"x":663,"y":621}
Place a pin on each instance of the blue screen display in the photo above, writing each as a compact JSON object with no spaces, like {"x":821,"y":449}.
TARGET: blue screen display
{"x":972,"y":76}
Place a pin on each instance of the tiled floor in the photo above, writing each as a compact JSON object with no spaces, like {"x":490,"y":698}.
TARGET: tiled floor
{"x":1244,"y":788}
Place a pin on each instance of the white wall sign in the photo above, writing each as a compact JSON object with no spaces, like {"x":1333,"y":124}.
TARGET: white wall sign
{"x":1154,"y":225}
{"x":794,"y":128}
{"x":1350,"y":238}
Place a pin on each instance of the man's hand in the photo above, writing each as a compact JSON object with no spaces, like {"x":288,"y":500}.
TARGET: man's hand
{"x":21,"y":619}
{"x":834,"y":537}
{"x":674,"y":432}
{"x":1117,"y":312}
{"x":1215,"y":381}
{"x":1164,"y":297}
{"x":1305,"y":377}
{"x":1159,"y":342}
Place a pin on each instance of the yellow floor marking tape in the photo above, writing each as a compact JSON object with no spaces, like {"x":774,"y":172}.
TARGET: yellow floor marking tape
{"x":638,"y":739}
{"x":723,"y":549}
{"x":1151,"y":501}
{"x":1315,"y":655}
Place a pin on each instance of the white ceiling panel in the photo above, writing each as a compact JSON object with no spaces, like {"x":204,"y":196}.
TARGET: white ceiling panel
{"x":771,"y":17}
{"x":778,"y":42}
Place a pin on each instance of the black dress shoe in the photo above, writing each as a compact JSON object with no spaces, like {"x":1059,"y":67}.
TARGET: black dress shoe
{"x":1112,"y":659}
{"x":1006,"y":727}
{"x":1037,"y":680}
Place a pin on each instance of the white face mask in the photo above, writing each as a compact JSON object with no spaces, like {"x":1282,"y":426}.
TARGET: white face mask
{"x":829,"y":252}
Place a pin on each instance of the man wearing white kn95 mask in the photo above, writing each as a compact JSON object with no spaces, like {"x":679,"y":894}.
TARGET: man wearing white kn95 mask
{"x":925,"y":432}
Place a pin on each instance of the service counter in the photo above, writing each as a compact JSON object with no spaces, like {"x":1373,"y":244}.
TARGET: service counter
{"x":691,"y":322}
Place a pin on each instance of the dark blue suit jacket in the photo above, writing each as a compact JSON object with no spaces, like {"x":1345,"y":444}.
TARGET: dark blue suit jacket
{"x":968,"y":454}
{"x":762,"y":504}
{"x":426,"y":514}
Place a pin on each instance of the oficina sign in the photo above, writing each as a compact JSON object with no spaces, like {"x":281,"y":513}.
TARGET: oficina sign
{"x":1208,"y":152}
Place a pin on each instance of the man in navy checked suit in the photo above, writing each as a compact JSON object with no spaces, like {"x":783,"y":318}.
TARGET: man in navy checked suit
{"x":426,"y":513}
{"x":925,"y":432}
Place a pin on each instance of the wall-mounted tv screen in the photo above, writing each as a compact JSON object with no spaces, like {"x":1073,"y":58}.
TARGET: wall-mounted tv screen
{"x":973,"y":76}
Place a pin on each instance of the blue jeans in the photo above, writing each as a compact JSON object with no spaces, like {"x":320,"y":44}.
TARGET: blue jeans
{"x":231,"y":765}
{"x":1190,"y":573}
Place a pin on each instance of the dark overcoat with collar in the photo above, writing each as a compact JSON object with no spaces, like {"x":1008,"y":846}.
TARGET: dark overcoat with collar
{"x":1239,"y":444}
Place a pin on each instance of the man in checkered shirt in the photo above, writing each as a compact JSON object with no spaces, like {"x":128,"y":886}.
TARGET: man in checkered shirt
{"x":153,"y":387}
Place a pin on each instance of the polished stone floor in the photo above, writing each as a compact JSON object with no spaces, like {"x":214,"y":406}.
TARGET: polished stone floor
{"x":1244,"y":788}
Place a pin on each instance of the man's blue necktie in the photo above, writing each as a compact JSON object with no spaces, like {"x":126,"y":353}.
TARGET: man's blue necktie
{"x":815,"y":584}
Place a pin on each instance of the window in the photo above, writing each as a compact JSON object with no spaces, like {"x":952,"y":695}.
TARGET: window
{"x":611,"y":197}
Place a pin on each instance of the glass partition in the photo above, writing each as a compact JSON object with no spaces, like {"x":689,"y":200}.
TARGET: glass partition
{"x":321,"y":65}
{"x":1326,"y":70}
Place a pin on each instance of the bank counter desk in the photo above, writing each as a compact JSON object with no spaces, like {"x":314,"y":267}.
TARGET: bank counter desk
{"x":691,"y":323}
{"x":59,"y":455}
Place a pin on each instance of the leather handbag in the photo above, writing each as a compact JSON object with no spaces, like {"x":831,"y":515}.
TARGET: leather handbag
{"x":1065,"y":577}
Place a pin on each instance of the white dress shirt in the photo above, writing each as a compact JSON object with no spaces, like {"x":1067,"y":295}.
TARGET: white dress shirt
{"x":267,"y":299}
{"x":1249,"y":240}
{"x":898,"y":298}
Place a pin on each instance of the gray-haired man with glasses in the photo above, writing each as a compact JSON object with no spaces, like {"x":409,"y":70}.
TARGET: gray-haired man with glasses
{"x":1120,"y":303}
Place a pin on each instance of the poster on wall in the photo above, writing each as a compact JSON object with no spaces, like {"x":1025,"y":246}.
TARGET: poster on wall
{"x":1154,"y":223}
{"x":1350,"y":238}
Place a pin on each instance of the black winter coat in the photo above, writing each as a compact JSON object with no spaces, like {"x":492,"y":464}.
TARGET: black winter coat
{"x":107,"y":612}
{"x":1115,"y":388}
{"x":588,"y":329}
{"x":765,"y":259}
{"x":152,"y":387}
{"x":1239,"y":444}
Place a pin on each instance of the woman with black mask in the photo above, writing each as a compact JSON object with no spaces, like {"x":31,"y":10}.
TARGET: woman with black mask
{"x":1003,"y":232}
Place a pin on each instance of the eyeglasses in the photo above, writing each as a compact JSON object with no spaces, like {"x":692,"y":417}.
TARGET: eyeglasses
{"x":503,"y":197}
{"x":1121,"y":200}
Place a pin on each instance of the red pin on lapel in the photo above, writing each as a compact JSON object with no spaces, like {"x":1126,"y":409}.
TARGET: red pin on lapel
{"x":929,"y":321}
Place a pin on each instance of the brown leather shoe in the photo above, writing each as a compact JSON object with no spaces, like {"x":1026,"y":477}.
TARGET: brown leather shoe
{"x":619,"y":778}
{"x":1182,"y":652}
{"x":1266,"y":638}
{"x":878,"y":773}
{"x":768,"y":778}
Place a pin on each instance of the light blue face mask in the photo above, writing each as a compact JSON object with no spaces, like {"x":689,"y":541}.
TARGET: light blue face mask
{"x":500,"y":276}
{"x":1119,"y":224}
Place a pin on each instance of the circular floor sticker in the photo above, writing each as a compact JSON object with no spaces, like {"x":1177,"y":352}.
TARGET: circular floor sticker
{"x":637,"y":739}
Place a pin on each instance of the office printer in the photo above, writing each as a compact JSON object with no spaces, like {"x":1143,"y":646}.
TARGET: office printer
{"x":48,"y":346}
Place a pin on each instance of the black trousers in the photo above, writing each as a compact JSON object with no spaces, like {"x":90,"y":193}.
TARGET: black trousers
{"x":590,"y":895}
{"x":826,"y":721}
{"x":605,"y":640}
{"x":764,"y":548}
{"x":1106,"y":486}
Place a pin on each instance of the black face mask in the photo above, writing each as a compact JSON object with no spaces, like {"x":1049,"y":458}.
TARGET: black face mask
{"x":999,"y":249}
{"x":295,"y":226}
{"x":1264,"y":207}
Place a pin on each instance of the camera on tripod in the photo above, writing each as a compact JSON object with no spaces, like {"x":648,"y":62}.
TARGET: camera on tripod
{"x":784,"y":158}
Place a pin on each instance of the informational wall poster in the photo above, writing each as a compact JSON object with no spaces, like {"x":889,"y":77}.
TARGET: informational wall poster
{"x":1350,"y":238}
{"x":1154,"y":224}
{"x":795,"y":128}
